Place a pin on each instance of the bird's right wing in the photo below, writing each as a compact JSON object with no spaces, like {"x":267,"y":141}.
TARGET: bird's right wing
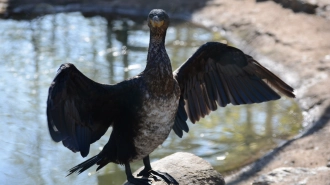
{"x":79,"y":110}
{"x":221,"y":74}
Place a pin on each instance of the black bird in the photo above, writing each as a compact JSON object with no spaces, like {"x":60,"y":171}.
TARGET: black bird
{"x":144,"y":109}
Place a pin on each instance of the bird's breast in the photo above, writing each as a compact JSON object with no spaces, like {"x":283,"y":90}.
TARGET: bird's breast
{"x":157,"y":118}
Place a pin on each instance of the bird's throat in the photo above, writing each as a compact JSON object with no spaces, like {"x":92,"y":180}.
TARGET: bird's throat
{"x":158,"y":63}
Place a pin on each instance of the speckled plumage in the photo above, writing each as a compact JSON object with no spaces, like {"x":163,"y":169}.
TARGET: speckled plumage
{"x":158,"y":118}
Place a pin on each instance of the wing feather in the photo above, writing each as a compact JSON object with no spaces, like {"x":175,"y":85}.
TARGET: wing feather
{"x":207,"y":100}
{"x":201,"y":99}
{"x":210,"y":91}
{"x":182,"y":116}
{"x":176,"y":127}
{"x":76,"y":112}
{"x":221,"y":74}
{"x":239,"y":90}
{"x":192,"y":106}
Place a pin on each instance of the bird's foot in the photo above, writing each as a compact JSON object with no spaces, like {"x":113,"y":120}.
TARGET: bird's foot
{"x":138,"y":181}
{"x":144,"y":173}
{"x":158,"y":176}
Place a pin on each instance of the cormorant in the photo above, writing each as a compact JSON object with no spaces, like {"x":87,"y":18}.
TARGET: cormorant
{"x":144,"y":109}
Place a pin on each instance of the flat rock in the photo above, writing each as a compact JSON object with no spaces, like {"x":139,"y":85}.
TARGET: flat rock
{"x":186,"y":168}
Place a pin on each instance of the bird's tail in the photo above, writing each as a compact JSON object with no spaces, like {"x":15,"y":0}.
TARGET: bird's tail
{"x":85,"y":165}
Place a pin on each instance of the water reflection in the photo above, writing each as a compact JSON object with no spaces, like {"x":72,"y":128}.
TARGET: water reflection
{"x":109,"y":51}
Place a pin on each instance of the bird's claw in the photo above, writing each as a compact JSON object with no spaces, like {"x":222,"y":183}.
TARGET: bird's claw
{"x":144,"y":173}
{"x":158,"y":176}
{"x":138,"y":181}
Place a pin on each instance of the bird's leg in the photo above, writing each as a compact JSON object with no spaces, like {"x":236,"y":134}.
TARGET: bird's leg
{"x":147,"y":167}
{"x":132,"y":179}
{"x":157,"y":175}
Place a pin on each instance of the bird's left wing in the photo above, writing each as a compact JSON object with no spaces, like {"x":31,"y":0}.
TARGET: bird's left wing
{"x":79,"y":110}
{"x":221,"y":74}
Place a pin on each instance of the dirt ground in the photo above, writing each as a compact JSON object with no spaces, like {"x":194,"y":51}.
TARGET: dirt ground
{"x":296,"y":46}
{"x":301,"y":43}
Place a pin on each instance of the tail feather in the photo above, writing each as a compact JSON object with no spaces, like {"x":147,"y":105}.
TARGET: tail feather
{"x":84,"y":165}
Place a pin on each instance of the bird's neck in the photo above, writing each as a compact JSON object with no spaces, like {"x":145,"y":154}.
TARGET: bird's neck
{"x":158,"y":62}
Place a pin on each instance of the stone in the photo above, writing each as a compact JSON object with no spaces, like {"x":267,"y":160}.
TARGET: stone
{"x":186,"y":168}
{"x":328,"y":165}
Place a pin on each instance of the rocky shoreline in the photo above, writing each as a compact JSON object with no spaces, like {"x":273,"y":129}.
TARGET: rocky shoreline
{"x":294,"y":44}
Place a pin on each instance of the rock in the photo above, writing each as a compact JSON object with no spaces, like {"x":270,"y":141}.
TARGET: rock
{"x":291,"y":175}
{"x":186,"y":168}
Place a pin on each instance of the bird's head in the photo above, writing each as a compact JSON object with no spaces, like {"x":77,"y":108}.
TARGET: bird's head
{"x":158,"y":21}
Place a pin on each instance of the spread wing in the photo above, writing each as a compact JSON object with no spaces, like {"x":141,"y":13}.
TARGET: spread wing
{"x":218,"y":74}
{"x":79,"y":110}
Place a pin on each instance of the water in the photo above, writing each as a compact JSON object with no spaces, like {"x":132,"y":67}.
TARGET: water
{"x":110,"y":51}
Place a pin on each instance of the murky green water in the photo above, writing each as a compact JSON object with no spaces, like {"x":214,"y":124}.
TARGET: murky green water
{"x":108,"y":52}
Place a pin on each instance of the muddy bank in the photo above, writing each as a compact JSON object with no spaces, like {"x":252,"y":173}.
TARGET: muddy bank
{"x":294,"y":45}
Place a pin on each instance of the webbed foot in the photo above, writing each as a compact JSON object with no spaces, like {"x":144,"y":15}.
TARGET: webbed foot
{"x":158,"y":176}
{"x":144,"y":173}
{"x":138,"y":181}
{"x":132,"y":179}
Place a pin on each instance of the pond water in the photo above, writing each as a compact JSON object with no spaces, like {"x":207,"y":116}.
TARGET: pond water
{"x":109,"y":51}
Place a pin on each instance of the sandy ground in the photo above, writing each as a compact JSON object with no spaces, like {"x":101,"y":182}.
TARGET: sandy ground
{"x":296,"y":46}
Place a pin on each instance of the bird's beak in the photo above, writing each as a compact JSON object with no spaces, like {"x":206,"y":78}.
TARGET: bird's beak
{"x":155,"y":22}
